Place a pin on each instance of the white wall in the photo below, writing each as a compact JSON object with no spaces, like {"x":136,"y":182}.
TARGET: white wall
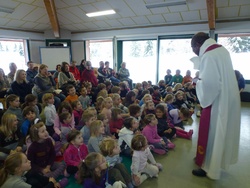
{"x":35,"y":50}
{"x":21,"y":34}
{"x":141,"y":32}
{"x":77,"y":48}
{"x":64,"y":34}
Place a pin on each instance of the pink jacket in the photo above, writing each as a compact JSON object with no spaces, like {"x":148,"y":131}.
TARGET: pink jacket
{"x":150,"y":132}
{"x":73,"y":155}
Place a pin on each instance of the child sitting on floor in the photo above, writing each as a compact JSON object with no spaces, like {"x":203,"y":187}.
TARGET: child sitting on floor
{"x":163,"y":129}
{"x":42,"y":153}
{"x":72,"y":96}
{"x":96,"y":136}
{"x":13,"y":105}
{"x":140,"y":167}
{"x":105,"y":121}
{"x":11,"y":139}
{"x":49,"y":112}
{"x":77,"y":111}
{"x":31,"y":100}
{"x":84,"y":98}
{"x":93,"y":173}
{"x":16,"y":173}
{"x":148,"y":109}
{"x":87,"y":118}
{"x":177,"y":117}
{"x":116,"y":122}
{"x":30,"y":116}
{"x":161,"y":145}
{"x":107,"y":104}
{"x":111,"y":151}
{"x":65,"y":120}
{"x":75,"y":152}
{"x":169,"y":99}
{"x":64,"y":107}
{"x":126,"y":134}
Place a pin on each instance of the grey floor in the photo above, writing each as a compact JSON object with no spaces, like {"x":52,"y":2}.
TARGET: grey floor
{"x":178,"y":163}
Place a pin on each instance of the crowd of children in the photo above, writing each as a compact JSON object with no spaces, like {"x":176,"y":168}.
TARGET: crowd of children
{"x":92,"y":129}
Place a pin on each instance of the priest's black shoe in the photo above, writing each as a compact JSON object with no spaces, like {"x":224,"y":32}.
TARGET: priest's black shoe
{"x":199,"y":172}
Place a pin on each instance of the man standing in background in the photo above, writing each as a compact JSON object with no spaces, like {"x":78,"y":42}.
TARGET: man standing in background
{"x":217,"y":91}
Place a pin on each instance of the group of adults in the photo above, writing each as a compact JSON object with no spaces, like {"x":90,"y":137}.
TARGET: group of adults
{"x":34,"y":80}
{"x":105,"y":72}
{"x":39,"y":80}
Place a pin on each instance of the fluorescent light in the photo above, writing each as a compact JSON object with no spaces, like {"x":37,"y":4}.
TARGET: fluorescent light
{"x":101,"y":13}
{"x":6,"y":10}
{"x":166,"y":4}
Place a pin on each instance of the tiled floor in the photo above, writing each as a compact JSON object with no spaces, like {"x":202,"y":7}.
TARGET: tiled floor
{"x":179,"y":163}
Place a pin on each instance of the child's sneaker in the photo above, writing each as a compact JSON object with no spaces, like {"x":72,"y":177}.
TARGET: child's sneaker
{"x":190,"y":133}
{"x":159,"y":165}
{"x":171,"y":145}
{"x":63,"y":182}
{"x":156,"y":175}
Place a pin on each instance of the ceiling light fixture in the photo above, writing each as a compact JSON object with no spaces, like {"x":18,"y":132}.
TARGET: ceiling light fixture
{"x":6,"y":10}
{"x":101,"y":13}
{"x":166,"y":4}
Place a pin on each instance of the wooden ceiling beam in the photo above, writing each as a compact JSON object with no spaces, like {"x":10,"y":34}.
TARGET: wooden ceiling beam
{"x":51,"y":10}
{"x":211,"y":13}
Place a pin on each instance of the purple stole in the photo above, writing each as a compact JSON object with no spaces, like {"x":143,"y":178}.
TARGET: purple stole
{"x":204,"y":126}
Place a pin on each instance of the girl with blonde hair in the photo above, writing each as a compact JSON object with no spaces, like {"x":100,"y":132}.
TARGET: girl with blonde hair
{"x":117,"y":170}
{"x":107,"y":104}
{"x":13,"y":105}
{"x":42,"y":153}
{"x":11,"y":139}
{"x":96,"y":132}
{"x":14,"y":169}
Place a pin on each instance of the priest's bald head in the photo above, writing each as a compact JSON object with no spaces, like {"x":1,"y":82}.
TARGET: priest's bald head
{"x":197,"y":41}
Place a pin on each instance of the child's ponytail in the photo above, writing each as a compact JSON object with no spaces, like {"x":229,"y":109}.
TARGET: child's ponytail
{"x":83,"y":173}
{"x":87,"y":166}
{"x":12,"y":162}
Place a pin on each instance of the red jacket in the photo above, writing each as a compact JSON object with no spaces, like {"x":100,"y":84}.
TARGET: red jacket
{"x":115,"y":125}
{"x":73,"y":156}
{"x":89,"y":76}
{"x":75,"y":72}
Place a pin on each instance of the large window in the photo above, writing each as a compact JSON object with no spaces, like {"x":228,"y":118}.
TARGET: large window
{"x":175,"y":54}
{"x":12,"y":51}
{"x":140,"y":58}
{"x":100,"y":51}
{"x":239,"y":48}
